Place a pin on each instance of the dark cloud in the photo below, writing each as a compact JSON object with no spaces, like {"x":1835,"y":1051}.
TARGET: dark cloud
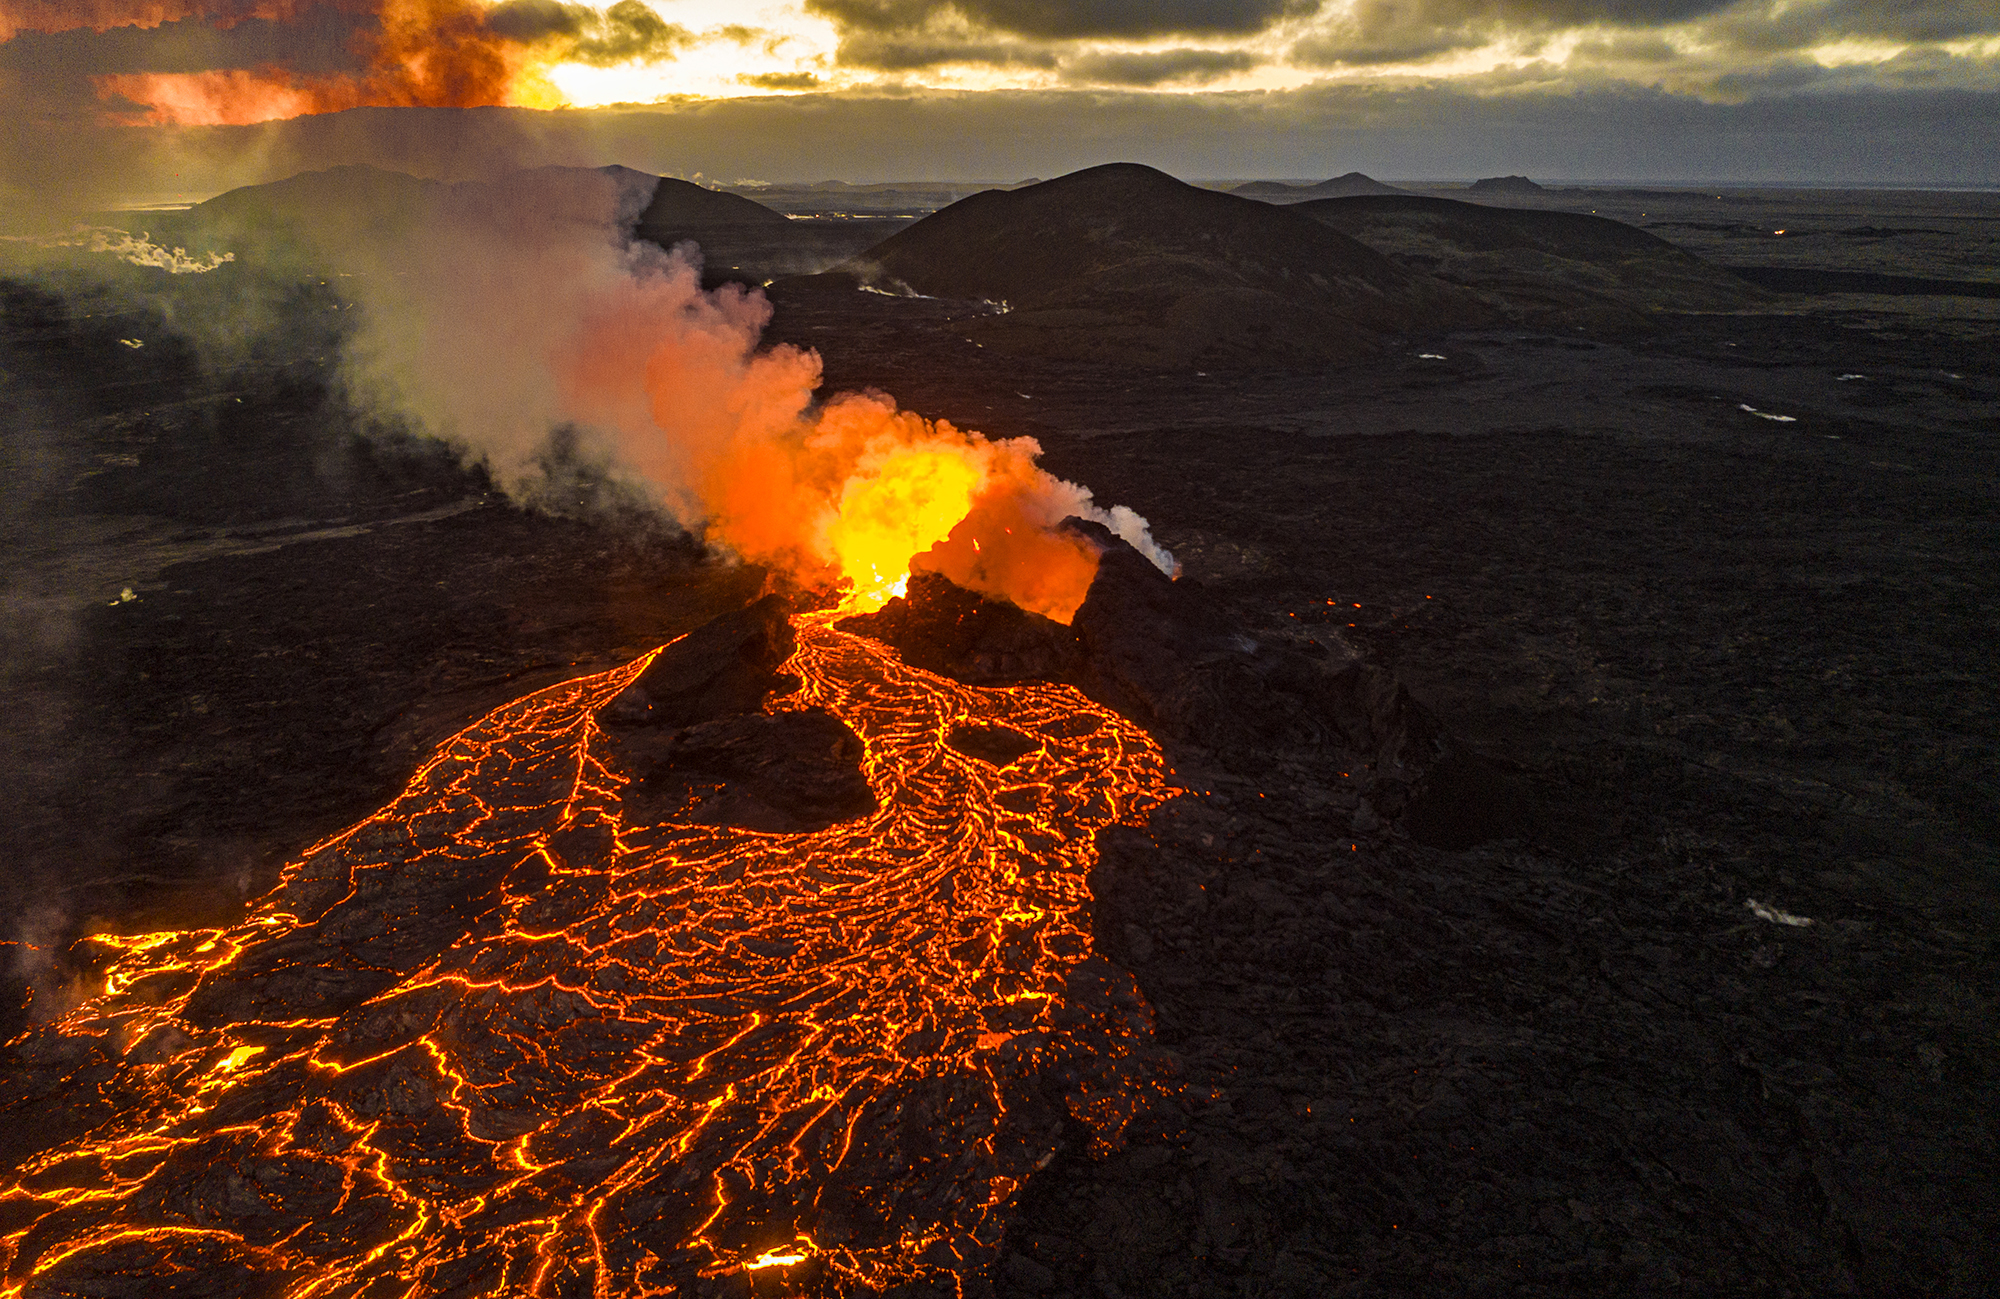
{"x":1058,"y":20}
{"x":324,"y":40}
{"x":1157,"y":69}
{"x":1352,"y":45}
{"x":104,"y":15}
{"x":1401,"y":31}
{"x":318,"y":38}
{"x":626,"y":31}
{"x":121,"y":59}
{"x":1923,"y":20}
{"x":1917,"y":69}
{"x":528,"y":21}
{"x":892,"y":54}
{"x":1758,"y":30}
{"x":781,"y":80}
{"x":1626,"y":47}
{"x":1396,"y":31}
{"x":629,"y":30}
{"x":48,"y":77}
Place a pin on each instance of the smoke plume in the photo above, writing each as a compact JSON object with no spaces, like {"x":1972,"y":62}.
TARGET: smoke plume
{"x":511,"y":312}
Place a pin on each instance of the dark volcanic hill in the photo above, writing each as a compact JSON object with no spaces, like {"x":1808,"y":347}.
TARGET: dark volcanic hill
{"x":1354,"y":182}
{"x":334,"y":213}
{"x":683,"y":205}
{"x":1537,"y":266}
{"x":362,"y":203}
{"x":1502,"y":185}
{"x":1125,"y":263}
{"x":361,"y":200}
{"x":739,"y":238}
{"x":348,"y":214}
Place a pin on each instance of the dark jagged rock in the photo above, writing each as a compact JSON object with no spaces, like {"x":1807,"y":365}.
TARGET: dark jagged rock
{"x":941,"y":627}
{"x":998,"y":745}
{"x":725,"y":666}
{"x":1166,"y":654}
{"x":784,"y":772}
{"x":1164,"y":651}
{"x":1141,"y":632}
{"x":692,"y":734}
{"x":1466,"y":799}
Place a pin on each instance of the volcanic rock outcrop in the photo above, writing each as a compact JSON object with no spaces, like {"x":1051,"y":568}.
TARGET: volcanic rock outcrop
{"x":725,"y":666}
{"x":1124,"y":263}
{"x":941,"y":627}
{"x":1164,"y":653}
{"x":692,"y":734}
{"x":1536,"y":267}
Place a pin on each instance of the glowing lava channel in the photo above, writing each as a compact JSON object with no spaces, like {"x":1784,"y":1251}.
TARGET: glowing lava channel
{"x":499,"y":1039}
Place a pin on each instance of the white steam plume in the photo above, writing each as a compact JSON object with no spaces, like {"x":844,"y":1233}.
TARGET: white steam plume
{"x":121,"y":244}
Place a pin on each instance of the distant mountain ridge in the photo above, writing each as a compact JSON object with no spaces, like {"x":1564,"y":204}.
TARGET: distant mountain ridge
{"x":1123,"y":262}
{"x":1534,"y":265}
{"x":1352,"y":183}
{"x":1506,"y":185}
{"x":343,"y":206}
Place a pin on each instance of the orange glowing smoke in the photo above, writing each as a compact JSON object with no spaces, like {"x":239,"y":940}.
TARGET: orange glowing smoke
{"x":420,"y":53}
{"x":102,"y":15}
{"x":905,"y":492}
{"x":852,"y":492}
{"x":858,"y":493}
{"x":902,"y":500}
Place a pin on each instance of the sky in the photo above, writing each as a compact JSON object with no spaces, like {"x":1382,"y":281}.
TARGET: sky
{"x":109,"y":100}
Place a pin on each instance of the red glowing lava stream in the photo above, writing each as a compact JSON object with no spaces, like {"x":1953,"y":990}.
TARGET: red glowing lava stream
{"x":499,"y":1039}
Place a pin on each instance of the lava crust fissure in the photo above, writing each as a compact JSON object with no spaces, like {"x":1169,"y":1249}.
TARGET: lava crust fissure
{"x":524,"y":1032}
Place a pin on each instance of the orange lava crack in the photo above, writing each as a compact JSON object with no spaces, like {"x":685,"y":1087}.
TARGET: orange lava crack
{"x":641,"y":1054}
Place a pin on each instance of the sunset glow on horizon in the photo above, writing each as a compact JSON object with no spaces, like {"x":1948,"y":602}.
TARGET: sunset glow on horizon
{"x":275,"y":59}
{"x":109,"y":100}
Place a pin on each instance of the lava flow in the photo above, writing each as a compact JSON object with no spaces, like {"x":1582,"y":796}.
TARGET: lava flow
{"x":507,"y":1037}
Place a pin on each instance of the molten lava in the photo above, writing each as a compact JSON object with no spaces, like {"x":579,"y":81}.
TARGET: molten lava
{"x":503,"y":1038}
{"x":857,"y":492}
{"x":899,"y":504}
